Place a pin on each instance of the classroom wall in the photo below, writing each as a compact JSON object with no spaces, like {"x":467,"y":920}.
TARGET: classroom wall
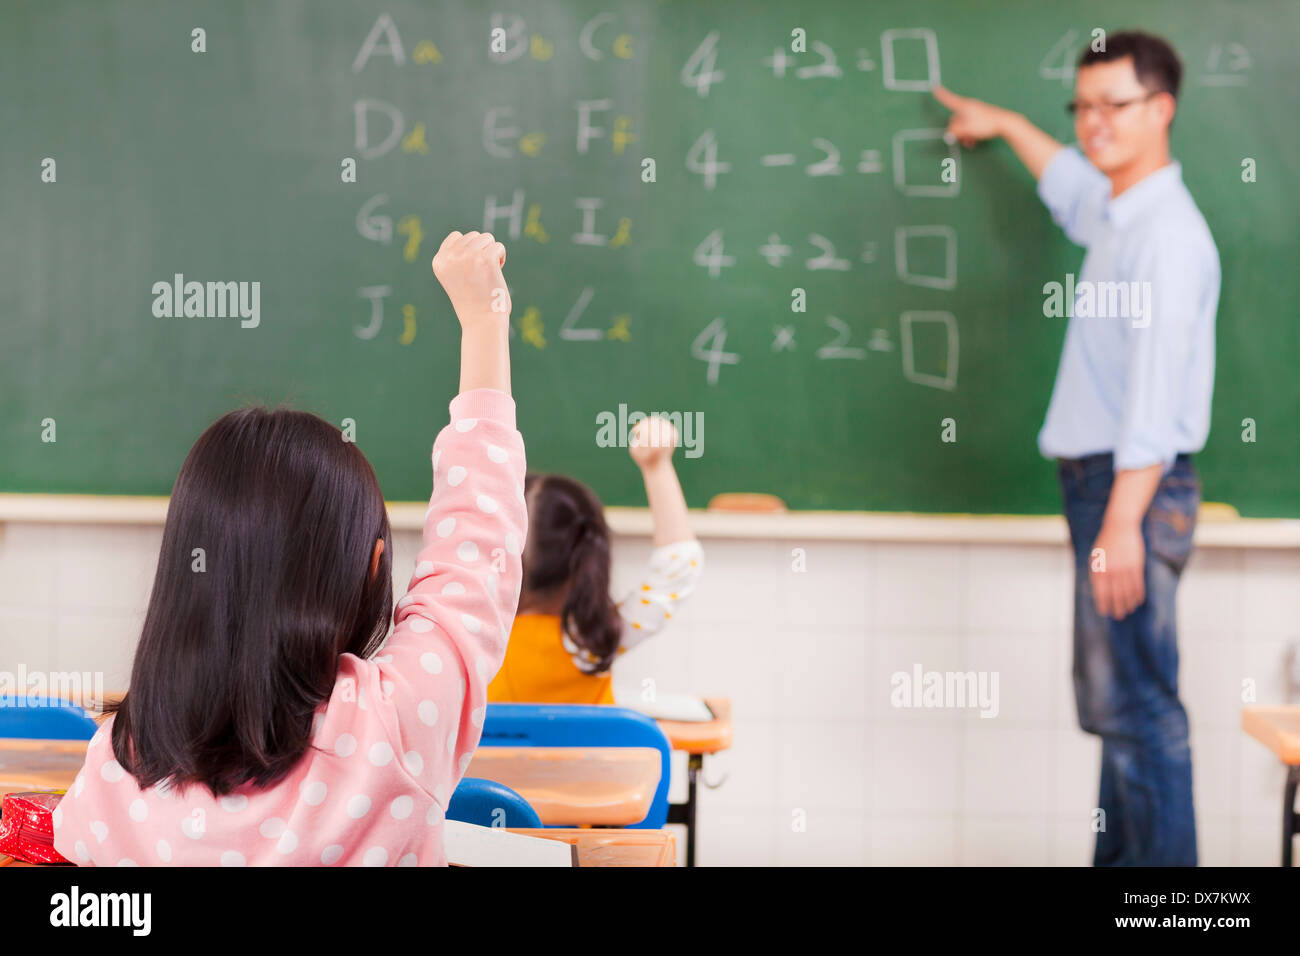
{"x":807,"y":659}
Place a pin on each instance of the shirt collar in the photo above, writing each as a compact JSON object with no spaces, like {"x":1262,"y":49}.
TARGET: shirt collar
{"x":1124,"y":208}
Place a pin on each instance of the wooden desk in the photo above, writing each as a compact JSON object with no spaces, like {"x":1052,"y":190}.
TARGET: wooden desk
{"x":595,"y":847}
{"x":697,"y":740}
{"x":567,"y":786}
{"x":702,"y":738}
{"x":576,"y":786}
{"x":597,"y":785}
{"x":615,"y":847}
{"x":1278,"y":729}
{"x":39,"y":764}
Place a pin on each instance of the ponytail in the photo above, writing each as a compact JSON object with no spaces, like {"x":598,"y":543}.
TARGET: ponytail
{"x":568,"y":552}
{"x":590,"y":616}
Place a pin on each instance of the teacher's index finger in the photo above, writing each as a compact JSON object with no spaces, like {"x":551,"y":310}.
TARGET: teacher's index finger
{"x":946,"y":96}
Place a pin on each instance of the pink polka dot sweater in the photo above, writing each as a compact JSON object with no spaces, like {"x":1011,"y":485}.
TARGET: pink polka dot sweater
{"x":394,"y":739}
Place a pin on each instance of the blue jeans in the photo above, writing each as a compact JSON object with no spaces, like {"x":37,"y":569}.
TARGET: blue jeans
{"x":1126,"y":672}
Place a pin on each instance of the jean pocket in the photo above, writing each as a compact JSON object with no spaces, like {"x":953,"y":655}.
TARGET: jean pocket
{"x":1180,"y":483}
{"x":1171,"y":520}
{"x":1089,"y":480}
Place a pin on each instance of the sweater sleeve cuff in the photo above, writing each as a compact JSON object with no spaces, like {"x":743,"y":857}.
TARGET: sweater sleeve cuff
{"x":486,"y":403}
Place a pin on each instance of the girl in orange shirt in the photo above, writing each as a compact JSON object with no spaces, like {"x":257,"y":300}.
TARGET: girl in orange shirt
{"x":568,"y":629}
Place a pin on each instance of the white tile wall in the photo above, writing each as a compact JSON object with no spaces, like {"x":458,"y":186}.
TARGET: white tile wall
{"x":824,"y":770}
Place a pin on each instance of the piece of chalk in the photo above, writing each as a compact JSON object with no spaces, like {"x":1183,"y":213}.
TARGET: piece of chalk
{"x":949,"y":138}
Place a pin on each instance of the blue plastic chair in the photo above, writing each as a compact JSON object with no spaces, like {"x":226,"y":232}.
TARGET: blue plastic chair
{"x":44,"y":718}
{"x":480,"y":802}
{"x":582,"y":725}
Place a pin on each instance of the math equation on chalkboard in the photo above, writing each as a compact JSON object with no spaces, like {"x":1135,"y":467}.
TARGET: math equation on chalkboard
{"x":919,"y":161}
{"x":919,"y":339}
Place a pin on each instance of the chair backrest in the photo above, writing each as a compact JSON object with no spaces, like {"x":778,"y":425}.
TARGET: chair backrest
{"x":45,"y":718}
{"x":482,"y":803}
{"x":582,"y":725}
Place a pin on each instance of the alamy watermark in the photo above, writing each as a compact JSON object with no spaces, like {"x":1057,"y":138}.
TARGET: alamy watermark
{"x":211,"y":300}
{"x":1098,"y":300}
{"x":614,"y":431}
{"x":51,"y":688}
{"x":946,"y":690}
{"x":130,"y":910}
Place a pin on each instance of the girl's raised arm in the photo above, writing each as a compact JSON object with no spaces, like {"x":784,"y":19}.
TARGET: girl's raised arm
{"x":451,"y":627}
{"x":678,"y":560}
{"x":651,"y":446}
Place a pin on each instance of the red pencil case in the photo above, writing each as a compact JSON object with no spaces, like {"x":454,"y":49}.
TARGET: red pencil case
{"x":27,"y":826}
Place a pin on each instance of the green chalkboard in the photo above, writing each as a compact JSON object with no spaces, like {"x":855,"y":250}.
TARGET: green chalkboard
{"x":773,"y":171}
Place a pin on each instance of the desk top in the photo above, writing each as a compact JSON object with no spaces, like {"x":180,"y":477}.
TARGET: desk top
{"x":702,"y":738}
{"x":39,"y":764}
{"x":695,"y":738}
{"x":572,"y":786}
{"x":595,"y":847}
{"x":595,"y":785}
{"x":1277,"y":728}
{"x":615,"y":847}
{"x":602,"y":786}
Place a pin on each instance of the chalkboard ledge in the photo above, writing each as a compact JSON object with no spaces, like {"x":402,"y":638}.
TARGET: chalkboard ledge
{"x":940,"y":528}
{"x":1212,"y":531}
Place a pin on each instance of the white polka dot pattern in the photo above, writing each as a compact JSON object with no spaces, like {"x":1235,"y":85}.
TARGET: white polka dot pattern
{"x":394,"y":731}
{"x":313,"y":792}
{"x":672,"y":575}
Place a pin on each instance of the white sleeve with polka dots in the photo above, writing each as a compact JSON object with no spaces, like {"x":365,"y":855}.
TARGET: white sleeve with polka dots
{"x":671,"y":577}
{"x":450,"y":629}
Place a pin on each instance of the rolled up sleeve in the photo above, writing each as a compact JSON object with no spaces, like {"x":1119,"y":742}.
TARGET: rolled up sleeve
{"x":1075,"y":193}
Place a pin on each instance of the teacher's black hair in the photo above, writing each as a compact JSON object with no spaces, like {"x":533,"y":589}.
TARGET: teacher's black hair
{"x":1154,"y":61}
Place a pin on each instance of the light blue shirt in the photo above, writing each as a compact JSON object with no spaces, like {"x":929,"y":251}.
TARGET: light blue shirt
{"x":1137,"y":384}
